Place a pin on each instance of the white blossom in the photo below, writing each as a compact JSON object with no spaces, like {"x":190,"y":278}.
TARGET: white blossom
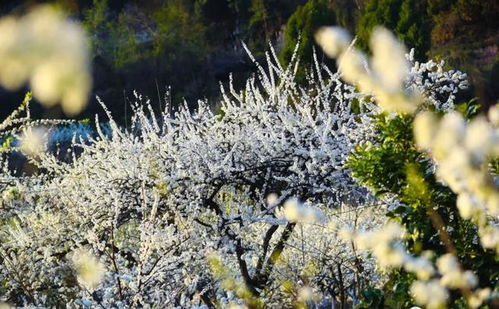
{"x":33,"y":141}
{"x":89,"y":269}
{"x":333,"y":40}
{"x":295,"y":211}
{"x":49,"y":51}
{"x":430,"y":294}
{"x":389,"y":61}
{"x":425,"y":129}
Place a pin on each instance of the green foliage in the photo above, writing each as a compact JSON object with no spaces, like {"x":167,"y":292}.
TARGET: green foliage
{"x":395,"y":146}
{"x":124,"y":46}
{"x":346,"y":13}
{"x":469,"y":109}
{"x":178,"y":26}
{"x":259,"y":14}
{"x":412,"y":28}
{"x":377,"y":12}
{"x":85,"y":121}
{"x":172,"y":30}
{"x":7,"y":143}
{"x":302,"y":26}
{"x":392,"y":295}
{"x":192,"y":37}
{"x":405,"y":17}
{"x":395,"y":290}
{"x":94,"y":19}
{"x":372,"y":298}
{"x":394,"y":165}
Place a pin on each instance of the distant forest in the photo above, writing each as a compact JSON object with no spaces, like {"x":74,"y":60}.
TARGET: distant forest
{"x":193,"y":45}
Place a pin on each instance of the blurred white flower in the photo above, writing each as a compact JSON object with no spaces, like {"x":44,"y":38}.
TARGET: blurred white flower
{"x":389,"y":65}
{"x":466,"y":205}
{"x":422,"y":267}
{"x":295,"y":211}
{"x":478,"y":137}
{"x":478,"y":297}
{"x":352,"y":68}
{"x":49,"y":51}
{"x":494,"y":115}
{"x":447,"y":263}
{"x":452,"y":275}
{"x":429,"y":293}
{"x":333,"y":40}
{"x":305,"y":293}
{"x":388,"y":62}
{"x":489,"y":237}
{"x":382,"y":242}
{"x":89,"y":269}
{"x":272,"y":199}
{"x":425,"y":126}
{"x":33,"y":141}
{"x":451,"y":133}
{"x":461,"y":152}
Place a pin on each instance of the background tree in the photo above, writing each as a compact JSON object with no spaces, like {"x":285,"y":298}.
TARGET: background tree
{"x":407,"y":18}
{"x":413,"y":27}
{"x":376,"y":12}
{"x":302,"y":25}
{"x":465,"y":32}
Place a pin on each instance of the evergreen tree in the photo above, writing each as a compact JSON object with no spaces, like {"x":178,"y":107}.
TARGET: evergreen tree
{"x":377,"y":12}
{"x":301,"y":26}
{"x":413,"y":27}
{"x":407,"y":18}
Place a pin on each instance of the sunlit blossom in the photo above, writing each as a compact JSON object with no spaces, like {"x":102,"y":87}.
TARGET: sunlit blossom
{"x":295,"y":211}
{"x":89,"y":269}
{"x":333,"y":40}
{"x":33,"y":141}
{"x":389,"y":67}
{"x":389,"y":61}
{"x":425,"y":125}
{"x":430,"y":294}
{"x":50,"y":52}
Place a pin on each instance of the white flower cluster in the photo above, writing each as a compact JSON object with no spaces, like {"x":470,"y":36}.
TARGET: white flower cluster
{"x":33,"y":141}
{"x":294,"y":211}
{"x":317,"y":262}
{"x":153,"y":199}
{"x":452,"y":275}
{"x":49,"y":51}
{"x":432,"y":284}
{"x":388,"y":68}
{"x":430,"y":293}
{"x":436,"y":86}
{"x":389,"y":251}
{"x":90,"y":270}
{"x":396,"y":85}
{"x":462,"y":152}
